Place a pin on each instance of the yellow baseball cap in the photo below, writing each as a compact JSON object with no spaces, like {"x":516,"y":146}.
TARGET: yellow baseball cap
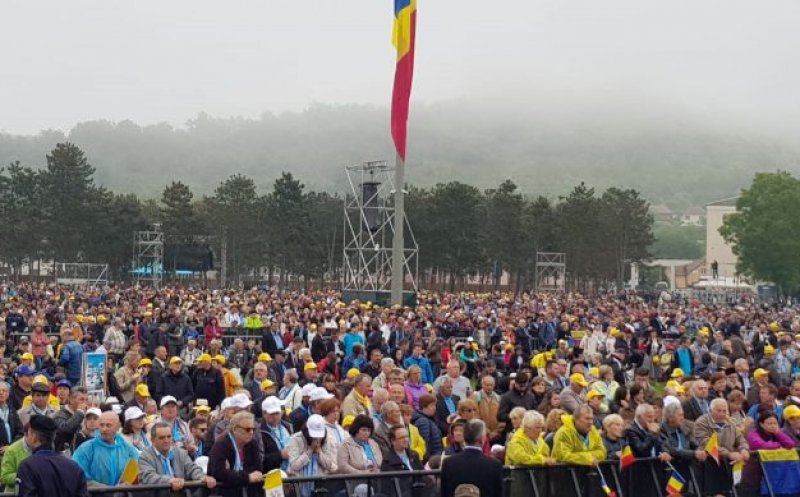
{"x":204,"y":358}
{"x":760,"y":372}
{"x":578,"y":379}
{"x":592,"y":394}
{"x":673,"y":384}
{"x":264,"y":357}
{"x":791,"y":411}
{"x":769,"y":349}
{"x":267,"y":384}
{"x":220,"y":359}
{"x":680,"y":389}
{"x":142,"y":390}
{"x":774,"y":326}
{"x":677,"y":373}
{"x":309,"y":365}
{"x":145,"y":362}
{"x":595,"y":372}
{"x":27,"y":356}
{"x":175,"y":360}
{"x":41,"y":379}
{"x":352,"y":373}
{"x":202,"y":408}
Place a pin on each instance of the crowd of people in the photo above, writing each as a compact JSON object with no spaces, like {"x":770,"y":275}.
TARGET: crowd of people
{"x":223,"y":386}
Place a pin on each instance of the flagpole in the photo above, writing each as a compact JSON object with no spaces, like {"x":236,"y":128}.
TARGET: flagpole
{"x":398,"y":241}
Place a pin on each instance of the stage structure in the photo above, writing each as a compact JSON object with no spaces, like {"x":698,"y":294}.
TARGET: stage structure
{"x":369,"y":228}
{"x":551,"y":271}
{"x":81,"y":273}
{"x":148,"y":256}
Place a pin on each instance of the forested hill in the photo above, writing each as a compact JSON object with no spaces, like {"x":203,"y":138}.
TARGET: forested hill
{"x":669,"y":161}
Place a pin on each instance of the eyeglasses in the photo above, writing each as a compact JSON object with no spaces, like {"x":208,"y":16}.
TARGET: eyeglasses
{"x":247,"y":429}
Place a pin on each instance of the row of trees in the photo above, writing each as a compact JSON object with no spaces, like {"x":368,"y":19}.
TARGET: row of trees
{"x":59,"y":213}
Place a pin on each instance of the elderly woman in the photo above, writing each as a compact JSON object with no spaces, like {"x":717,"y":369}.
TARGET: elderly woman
{"x":515,"y":418}
{"x":527,"y":446}
{"x":614,"y":436}
{"x":359,"y":453}
{"x":331,"y":410}
{"x":606,"y":386}
{"x":414,"y":386}
{"x":731,"y":443}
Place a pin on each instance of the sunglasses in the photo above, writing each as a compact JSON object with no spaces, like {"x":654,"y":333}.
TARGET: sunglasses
{"x":247,"y":429}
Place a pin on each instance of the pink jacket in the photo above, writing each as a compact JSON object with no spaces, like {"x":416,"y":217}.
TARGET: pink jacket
{"x":39,"y":341}
{"x":779,"y":441}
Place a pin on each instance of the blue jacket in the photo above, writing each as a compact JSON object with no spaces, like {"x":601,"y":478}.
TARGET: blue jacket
{"x":72,"y":359}
{"x":103,"y":462}
{"x":424,"y":365}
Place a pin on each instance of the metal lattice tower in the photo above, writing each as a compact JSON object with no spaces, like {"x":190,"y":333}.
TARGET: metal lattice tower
{"x":551,"y":272}
{"x":148,"y":256}
{"x":369,"y":224}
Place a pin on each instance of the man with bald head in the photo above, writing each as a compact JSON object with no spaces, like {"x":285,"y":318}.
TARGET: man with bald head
{"x":103,"y":458}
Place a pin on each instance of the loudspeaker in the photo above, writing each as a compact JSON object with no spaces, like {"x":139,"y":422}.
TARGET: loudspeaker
{"x":369,"y":199}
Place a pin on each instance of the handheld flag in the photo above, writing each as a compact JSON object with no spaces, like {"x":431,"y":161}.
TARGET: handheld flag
{"x":403,"y":37}
{"x":273,"y":484}
{"x":781,"y":469}
{"x":627,"y":458}
{"x":675,"y":483}
{"x":712,"y":447}
{"x":130,"y":475}
{"x":737,"y":472}
{"x":604,"y":484}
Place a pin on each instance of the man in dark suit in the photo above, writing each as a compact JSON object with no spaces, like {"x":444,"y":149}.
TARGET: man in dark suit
{"x":446,"y":405}
{"x":697,"y":404}
{"x":643,"y":436}
{"x":471,"y":466}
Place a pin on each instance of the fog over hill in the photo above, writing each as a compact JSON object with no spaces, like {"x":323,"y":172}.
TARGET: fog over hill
{"x":670,"y":154}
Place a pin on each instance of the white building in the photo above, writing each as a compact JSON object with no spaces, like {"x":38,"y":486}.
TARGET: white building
{"x":716,"y":248}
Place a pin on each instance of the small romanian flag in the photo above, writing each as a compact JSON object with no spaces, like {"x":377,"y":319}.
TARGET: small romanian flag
{"x":675,"y":483}
{"x":604,"y":484}
{"x":627,"y":458}
{"x":712,"y":447}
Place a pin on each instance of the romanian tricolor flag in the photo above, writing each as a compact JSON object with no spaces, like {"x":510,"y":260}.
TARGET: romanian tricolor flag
{"x":712,"y":447}
{"x":781,"y":470}
{"x":627,"y":458}
{"x":675,"y":483}
{"x":405,"y":26}
{"x":604,"y":484}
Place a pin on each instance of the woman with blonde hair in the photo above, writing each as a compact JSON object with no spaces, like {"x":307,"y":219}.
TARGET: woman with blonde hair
{"x":515,"y":419}
{"x":614,"y":436}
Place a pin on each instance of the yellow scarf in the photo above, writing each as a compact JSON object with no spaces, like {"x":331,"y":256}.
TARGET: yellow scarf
{"x":362,"y":399}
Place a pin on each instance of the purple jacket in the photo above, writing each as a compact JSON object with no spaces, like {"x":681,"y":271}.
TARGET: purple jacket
{"x":779,"y":441}
{"x":414,"y":392}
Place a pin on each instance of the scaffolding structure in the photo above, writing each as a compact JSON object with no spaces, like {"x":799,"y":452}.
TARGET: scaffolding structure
{"x":551,"y":271}
{"x":148,"y":256}
{"x":81,"y":273}
{"x":369,"y":224}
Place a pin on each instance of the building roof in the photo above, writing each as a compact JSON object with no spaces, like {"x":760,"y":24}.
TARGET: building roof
{"x":725,"y":202}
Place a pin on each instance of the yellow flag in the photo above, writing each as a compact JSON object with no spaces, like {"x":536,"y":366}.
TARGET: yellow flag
{"x":273,"y":484}
{"x":712,"y":447}
{"x":130,"y":475}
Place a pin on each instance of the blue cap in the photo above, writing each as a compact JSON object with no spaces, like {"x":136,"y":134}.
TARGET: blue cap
{"x":25,"y":371}
{"x":64,"y":383}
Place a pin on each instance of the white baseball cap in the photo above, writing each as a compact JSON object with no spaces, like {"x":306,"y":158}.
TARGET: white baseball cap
{"x":94,"y":411}
{"x":133,"y":413}
{"x":272,"y":405}
{"x":320,"y":393}
{"x":226,"y":403}
{"x":167,"y":399}
{"x":316,"y":426}
{"x":241,"y":401}
{"x":308,"y":388}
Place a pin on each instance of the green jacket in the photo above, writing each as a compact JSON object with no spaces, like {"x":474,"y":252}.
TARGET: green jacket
{"x":569,"y":446}
{"x":13,"y":457}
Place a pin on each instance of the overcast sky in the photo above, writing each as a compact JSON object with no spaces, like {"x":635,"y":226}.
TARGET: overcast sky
{"x":166,"y":60}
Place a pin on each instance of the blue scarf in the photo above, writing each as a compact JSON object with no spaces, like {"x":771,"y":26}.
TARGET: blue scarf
{"x":237,"y":465}
{"x":166,"y":463}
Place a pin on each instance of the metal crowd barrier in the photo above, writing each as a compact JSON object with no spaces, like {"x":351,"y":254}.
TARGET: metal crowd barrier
{"x":559,"y":480}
